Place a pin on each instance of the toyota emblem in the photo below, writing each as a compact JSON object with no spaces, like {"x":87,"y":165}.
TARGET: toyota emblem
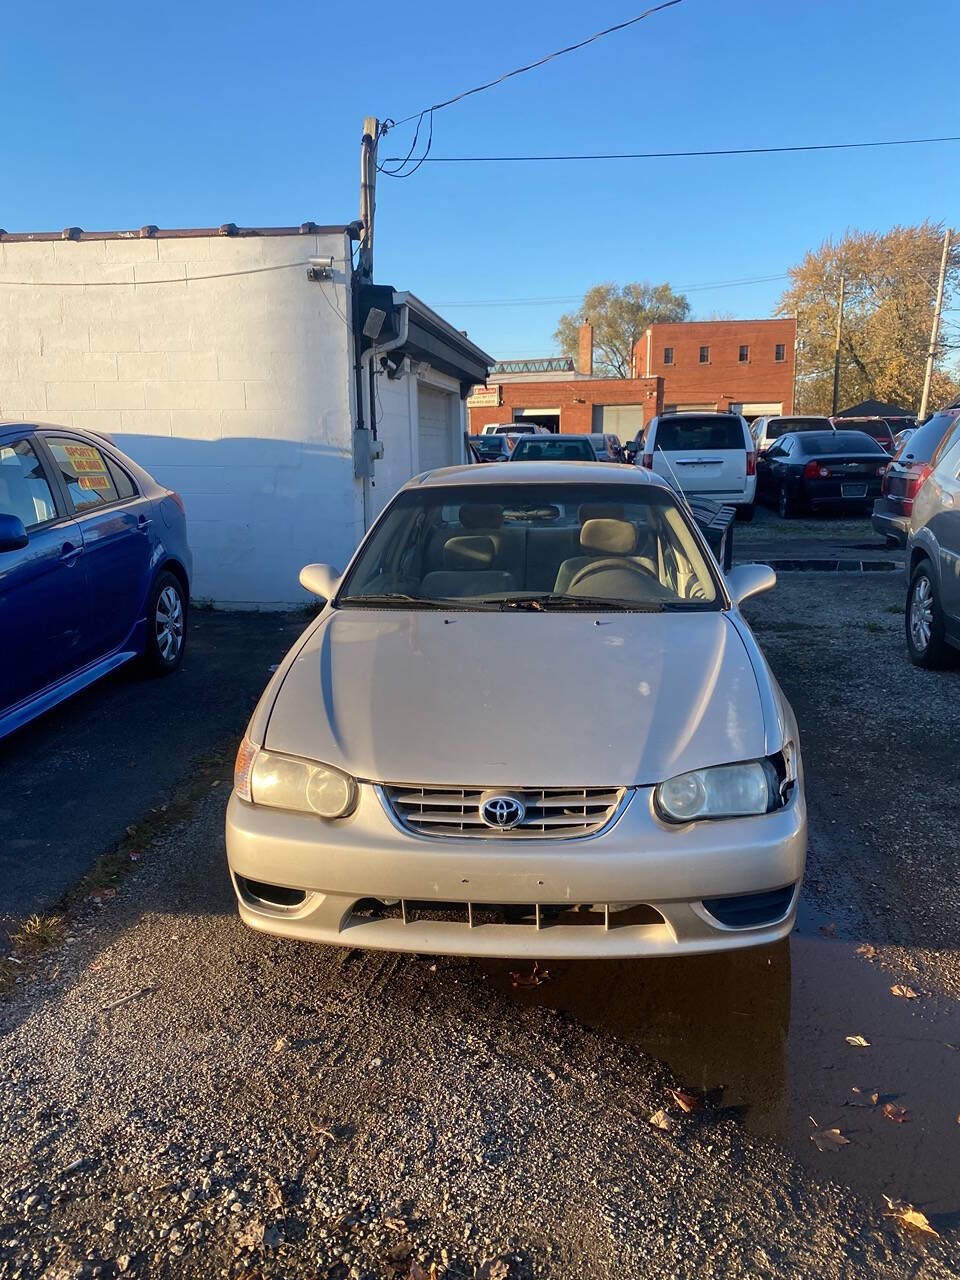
{"x":502,"y":812}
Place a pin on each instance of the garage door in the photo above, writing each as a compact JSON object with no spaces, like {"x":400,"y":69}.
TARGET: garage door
{"x":435,"y":427}
{"x":623,"y":420}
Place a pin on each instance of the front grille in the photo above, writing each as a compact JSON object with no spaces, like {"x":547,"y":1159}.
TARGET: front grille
{"x":558,"y":813}
{"x":531,"y":915}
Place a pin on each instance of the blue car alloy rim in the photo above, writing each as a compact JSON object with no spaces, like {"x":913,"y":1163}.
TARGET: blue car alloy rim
{"x":168,"y":623}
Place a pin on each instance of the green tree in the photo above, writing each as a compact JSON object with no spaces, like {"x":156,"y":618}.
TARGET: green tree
{"x":891,"y":284}
{"x":619,"y":316}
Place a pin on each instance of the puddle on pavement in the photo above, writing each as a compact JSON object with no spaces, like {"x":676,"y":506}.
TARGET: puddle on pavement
{"x":768,"y":1027}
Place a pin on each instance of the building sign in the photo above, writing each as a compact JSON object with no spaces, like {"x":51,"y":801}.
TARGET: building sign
{"x":480,"y":397}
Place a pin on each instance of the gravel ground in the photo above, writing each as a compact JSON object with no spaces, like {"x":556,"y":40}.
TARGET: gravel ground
{"x":183,"y":1098}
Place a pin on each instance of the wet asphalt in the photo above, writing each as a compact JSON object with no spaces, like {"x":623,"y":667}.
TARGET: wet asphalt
{"x":762,"y":1035}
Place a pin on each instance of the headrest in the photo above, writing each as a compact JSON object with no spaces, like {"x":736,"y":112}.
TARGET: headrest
{"x":481,"y":515}
{"x":601,"y":511}
{"x":615,"y":537}
{"x":475,"y":552}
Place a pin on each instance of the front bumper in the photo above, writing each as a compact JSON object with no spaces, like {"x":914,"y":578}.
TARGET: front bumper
{"x":637,"y":860}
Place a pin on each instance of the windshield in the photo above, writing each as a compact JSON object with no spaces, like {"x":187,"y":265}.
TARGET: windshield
{"x":708,"y":432}
{"x":875,"y":427}
{"x":923,"y":444}
{"x":780,"y":426}
{"x":837,"y":442}
{"x":539,"y":546}
{"x":490,"y":444}
{"x":554,"y":449}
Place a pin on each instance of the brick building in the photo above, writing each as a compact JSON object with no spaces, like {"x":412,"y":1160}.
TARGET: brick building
{"x":743,"y":365}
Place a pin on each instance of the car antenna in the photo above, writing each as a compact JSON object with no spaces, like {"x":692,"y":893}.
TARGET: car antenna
{"x":676,"y":483}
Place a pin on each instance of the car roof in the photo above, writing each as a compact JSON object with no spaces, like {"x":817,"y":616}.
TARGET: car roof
{"x":20,"y":425}
{"x":697,"y":413}
{"x":571,"y":472}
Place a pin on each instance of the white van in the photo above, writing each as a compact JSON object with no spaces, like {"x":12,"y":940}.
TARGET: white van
{"x":712,"y":455}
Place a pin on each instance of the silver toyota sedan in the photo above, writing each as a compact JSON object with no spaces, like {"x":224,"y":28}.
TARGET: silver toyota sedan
{"x":529,"y":720}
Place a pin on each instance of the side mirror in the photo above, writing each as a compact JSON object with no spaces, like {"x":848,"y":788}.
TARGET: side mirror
{"x":320,"y":579}
{"x":746,"y":580}
{"x":13,"y":535}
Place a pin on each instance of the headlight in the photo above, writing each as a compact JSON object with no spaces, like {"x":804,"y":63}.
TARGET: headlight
{"x":287,"y":782}
{"x":725,"y":791}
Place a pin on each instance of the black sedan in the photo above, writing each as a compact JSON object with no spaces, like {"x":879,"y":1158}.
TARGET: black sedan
{"x":809,"y":469}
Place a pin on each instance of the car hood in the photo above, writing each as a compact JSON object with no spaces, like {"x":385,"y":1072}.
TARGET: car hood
{"x":519,"y":699}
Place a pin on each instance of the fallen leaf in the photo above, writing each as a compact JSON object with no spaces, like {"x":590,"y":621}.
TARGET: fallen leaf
{"x":687,"y":1102}
{"x":532,"y":979}
{"x":867,"y":950}
{"x":499,"y":1269}
{"x":661,"y":1120}
{"x":859,"y":1042}
{"x":395,"y":1224}
{"x":829,"y":1140}
{"x":907,"y":993}
{"x":828,"y":930}
{"x":282,"y":1044}
{"x":417,"y":1272}
{"x":908,"y":1216}
{"x":900,"y":1115}
{"x":872,"y":1097}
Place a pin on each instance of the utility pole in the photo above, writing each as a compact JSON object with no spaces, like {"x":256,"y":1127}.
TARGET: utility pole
{"x":935,"y":331}
{"x":836,"y":349}
{"x":368,"y":192}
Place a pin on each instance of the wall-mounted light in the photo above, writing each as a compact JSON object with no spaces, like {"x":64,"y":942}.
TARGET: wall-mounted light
{"x":320,"y":269}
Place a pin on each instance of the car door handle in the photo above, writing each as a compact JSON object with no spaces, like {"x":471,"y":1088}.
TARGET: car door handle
{"x":144,"y":522}
{"x":69,"y":552}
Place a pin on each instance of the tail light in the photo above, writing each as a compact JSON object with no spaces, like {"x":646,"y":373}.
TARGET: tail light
{"x":914,"y":483}
{"x":751,"y":464}
{"x":816,"y":471}
{"x":648,"y":461}
{"x":171,"y":493}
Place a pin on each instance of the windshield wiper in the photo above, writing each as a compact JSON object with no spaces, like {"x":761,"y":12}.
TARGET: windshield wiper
{"x":391,"y":600}
{"x":550,"y":600}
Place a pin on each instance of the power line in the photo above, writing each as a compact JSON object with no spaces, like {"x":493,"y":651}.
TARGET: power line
{"x":679,"y":155}
{"x":518,"y":71}
{"x":578,"y":297}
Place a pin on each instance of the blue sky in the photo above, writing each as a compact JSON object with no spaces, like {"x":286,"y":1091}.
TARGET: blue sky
{"x":194,"y":114}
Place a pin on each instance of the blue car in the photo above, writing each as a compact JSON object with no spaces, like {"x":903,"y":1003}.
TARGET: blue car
{"x":94,"y":567}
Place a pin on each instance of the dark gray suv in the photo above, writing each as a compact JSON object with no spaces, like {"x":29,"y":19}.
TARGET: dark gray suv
{"x":933,"y":562}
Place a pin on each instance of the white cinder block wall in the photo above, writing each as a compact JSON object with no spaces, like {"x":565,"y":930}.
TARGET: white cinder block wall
{"x":215,"y":364}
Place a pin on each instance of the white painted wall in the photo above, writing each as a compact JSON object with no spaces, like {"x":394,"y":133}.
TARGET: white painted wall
{"x":234,"y":390}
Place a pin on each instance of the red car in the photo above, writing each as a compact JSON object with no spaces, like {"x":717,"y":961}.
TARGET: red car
{"x":878,"y":429}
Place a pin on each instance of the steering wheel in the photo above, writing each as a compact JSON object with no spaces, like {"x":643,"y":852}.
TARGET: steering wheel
{"x":610,"y":562}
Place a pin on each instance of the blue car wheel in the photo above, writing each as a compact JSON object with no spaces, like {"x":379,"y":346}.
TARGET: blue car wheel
{"x":166,"y":624}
